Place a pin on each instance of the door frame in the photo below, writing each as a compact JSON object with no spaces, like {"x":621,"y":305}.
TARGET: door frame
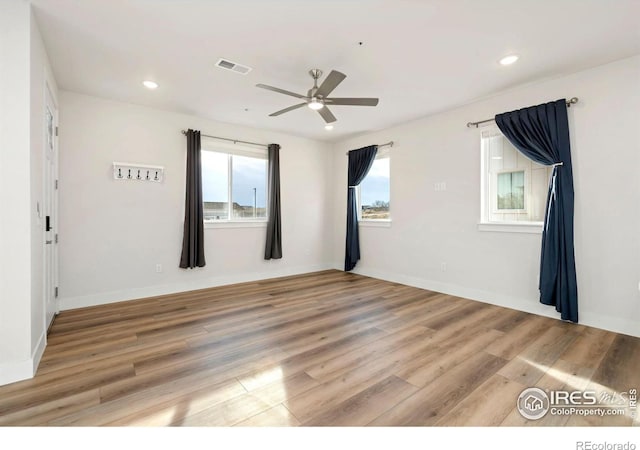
{"x":50,"y":207}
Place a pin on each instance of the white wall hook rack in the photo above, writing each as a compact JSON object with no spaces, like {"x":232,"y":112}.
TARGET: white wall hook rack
{"x":138,"y":172}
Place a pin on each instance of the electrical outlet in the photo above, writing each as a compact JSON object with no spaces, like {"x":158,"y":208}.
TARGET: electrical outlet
{"x":443,"y":266}
{"x":158,"y":268}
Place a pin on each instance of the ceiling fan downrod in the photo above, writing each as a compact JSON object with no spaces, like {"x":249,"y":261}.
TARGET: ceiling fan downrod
{"x":315,"y":74}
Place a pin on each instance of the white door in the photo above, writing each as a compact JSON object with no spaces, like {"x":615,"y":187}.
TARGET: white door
{"x":50,"y":208}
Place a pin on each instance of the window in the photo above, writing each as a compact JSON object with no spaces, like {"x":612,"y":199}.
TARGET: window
{"x":374,"y":191}
{"x":234,"y":184}
{"x":510,"y":191}
{"x":514,"y":188}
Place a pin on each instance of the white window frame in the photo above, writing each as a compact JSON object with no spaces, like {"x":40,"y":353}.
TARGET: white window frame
{"x":380,"y":223}
{"x":490,"y":204}
{"x":210,"y":145}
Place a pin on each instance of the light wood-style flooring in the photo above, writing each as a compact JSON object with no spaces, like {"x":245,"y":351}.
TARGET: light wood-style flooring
{"x":322,"y":349}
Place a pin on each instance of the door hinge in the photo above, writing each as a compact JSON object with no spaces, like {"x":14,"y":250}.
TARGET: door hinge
{"x":56,"y":131}
{"x":55,"y":238}
{"x":55,"y":292}
{"x":55,"y":184}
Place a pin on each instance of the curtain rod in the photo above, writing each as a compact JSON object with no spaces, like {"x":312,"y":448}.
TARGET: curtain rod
{"x":388,"y":144}
{"x":235,"y":141}
{"x":475,"y":124}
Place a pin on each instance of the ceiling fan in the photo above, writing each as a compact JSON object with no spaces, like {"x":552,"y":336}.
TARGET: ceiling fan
{"x":317,"y":97}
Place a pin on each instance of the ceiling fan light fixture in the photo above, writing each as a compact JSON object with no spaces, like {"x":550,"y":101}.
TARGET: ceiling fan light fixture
{"x":315,"y":104}
{"x":508,"y":60}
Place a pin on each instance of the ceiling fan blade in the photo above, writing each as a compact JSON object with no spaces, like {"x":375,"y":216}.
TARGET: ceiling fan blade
{"x":281,"y":91}
{"x":290,"y":108}
{"x":326,"y":115}
{"x":352,"y":101}
{"x":330,"y":83}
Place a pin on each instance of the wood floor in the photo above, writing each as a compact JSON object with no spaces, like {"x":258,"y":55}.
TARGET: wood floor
{"x":323,"y":349}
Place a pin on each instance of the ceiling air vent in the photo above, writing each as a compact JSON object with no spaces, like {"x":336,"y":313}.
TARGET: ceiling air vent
{"x":234,"y":67}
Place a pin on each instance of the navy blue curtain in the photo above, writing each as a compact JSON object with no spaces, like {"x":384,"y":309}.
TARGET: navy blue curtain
{"x":542,"y":134}
{"x":193,"y":235}
{"x":360,"y":161}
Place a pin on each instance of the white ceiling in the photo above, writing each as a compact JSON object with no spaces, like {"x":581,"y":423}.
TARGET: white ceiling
{"x":418,"y":57}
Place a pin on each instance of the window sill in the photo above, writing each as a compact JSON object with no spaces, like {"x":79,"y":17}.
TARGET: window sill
{"x":236,"y":224}
{"x":377,"y":223}
{"x":512,"y":227}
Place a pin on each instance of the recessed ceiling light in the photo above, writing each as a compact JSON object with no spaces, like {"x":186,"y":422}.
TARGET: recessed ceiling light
{"x":150,"y":84}
{"x":328,"y":127}
{"x":508,"y":60}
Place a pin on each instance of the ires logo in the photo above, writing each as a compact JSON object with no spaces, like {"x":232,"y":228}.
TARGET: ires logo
{"x":534,"y":403}
{"x":572,"y":398}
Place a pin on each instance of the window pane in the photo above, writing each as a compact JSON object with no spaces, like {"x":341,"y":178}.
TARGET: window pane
{"x":374,"y":191}
{"x":248,"y":187}
{"x":511,"y":190}
{"x":215,"y":185}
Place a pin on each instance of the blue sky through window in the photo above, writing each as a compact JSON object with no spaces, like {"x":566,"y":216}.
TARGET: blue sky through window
{"x":248,"y":174}
{"x":375,"y":186}
{"x":249,"y":179}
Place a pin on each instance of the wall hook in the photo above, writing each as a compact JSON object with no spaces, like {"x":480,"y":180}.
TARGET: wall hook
{"x":134,"y":171}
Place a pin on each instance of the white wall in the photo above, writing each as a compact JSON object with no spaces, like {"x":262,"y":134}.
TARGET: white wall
{"x":15,"y":264}
{"x":432,"y":227}
{"x":23,"y":69}
{"x":113,"y":233}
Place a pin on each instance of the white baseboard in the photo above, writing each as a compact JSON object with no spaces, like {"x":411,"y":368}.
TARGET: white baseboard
{"x":39,"y":351}
{"x":10,"y":372}
{"x":195,"y":284}
{"x":624,"y":326}
{"x":533,"y":306}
